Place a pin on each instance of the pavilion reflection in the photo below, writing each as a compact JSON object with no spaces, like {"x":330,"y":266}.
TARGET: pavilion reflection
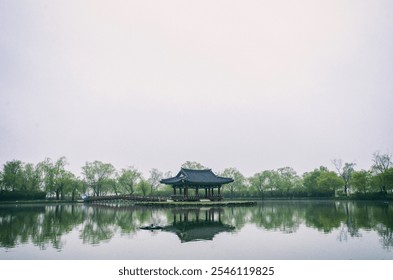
{"x":196,"y":224}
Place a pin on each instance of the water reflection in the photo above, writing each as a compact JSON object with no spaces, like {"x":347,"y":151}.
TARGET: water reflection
{"x":197,"y":224}
{"x":45,"y":226}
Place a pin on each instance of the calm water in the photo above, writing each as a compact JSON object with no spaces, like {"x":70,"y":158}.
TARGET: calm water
{"x":270,"y":230}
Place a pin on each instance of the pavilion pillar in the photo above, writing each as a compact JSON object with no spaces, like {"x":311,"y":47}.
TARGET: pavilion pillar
{"x":205,"y":192}
{"x":219,"y":190}
{"x":174,"y":190}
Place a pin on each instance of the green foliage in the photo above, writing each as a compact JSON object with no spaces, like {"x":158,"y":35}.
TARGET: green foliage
{"x":380,"y":169}
{"x":310,"y":181}
{"x":287,"y":180}
{"x":143,"y":187}
{"x":262,"y":181}
{"x":361,"y":181}
{"x":345,"y":172}
{"x":128,"y":180}
{"x":100,"y":178}
{"x":20,"y":177}
{"x":322,"y":182}
{"x":329,"y":182}
{"x":238,"y":183}
{"x":193,"y":165}
{"x":21,"y":195}
{"x":13,"y":175}
{"x":57,"y":180}
{"x":97,"y":176}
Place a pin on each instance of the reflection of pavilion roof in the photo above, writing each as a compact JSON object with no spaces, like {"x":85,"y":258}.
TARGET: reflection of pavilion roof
{"x":196,"y":231}
{"x":196,"y":177}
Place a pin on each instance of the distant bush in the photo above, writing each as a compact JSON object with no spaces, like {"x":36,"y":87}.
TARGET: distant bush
{"x":372,"y":196}
{"x":21,"y":195}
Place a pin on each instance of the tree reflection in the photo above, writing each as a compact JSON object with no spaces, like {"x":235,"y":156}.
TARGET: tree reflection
{"x":280,"y":217}
{"x":42,"y":226}
{"x":46,"y":226}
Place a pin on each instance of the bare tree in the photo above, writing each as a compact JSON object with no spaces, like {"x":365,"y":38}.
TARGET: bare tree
{"x":380,"y":168}
{"x":345,"y":172}
{"x":154,"y":179}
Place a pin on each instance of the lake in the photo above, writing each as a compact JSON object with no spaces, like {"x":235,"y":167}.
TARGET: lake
{"x":278,"y":230}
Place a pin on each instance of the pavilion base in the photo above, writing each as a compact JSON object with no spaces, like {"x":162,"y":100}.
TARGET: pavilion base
{"x":196,"y":198}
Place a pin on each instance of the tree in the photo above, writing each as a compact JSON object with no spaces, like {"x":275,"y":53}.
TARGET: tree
{"x":31,"y":177}
{"x":345,"y":172}
{"x":62,"y":177}
{"x":262,"y":181}
{"x":273,"y":181}
{"x":154,"y":179}
{"x":75,"y":187}
{"x":381,"y":165}
{"x":64,"y":184}
{"x":128,"y":179}
{"x":1,"y":181}
{"x":47,"y":170}
{"x":389,"y":179}
{"x":329,"y":182}
{"x":310,"y":180}
{"x":55,"y":176}
{"x":143,"y":186}
{"x":287,"y":179}
{"x":361,"y":181}
{"x":12,"y":175}
{"x":193,"y":165}
{"x":96,"y":175}
{"x":238,"y":179}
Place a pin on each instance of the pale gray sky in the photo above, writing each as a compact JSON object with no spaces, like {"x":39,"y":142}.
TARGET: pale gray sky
{"x":248,"y":84}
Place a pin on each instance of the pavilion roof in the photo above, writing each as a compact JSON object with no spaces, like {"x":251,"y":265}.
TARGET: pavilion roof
{"x":196,"y":231}
{"x":196,"y":177}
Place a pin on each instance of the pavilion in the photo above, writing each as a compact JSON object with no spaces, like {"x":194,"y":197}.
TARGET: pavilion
{"x":204,"y":183}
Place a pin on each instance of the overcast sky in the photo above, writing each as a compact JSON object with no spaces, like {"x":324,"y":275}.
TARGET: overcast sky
{"x":254,"y":85}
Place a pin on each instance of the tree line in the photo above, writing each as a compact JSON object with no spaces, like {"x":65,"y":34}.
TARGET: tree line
{"x":51,"y":179}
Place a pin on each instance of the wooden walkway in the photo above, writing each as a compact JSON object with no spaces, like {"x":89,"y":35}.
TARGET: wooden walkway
{"x":123,"y":198}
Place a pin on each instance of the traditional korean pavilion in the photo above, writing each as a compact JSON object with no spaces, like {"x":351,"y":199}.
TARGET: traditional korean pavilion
{"x":193,"y":185}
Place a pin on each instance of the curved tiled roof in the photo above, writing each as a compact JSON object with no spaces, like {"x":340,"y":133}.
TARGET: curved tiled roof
{"x":196,"y":177}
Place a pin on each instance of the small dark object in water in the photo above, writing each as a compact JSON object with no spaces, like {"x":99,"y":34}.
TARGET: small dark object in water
{"x":151,"y":227}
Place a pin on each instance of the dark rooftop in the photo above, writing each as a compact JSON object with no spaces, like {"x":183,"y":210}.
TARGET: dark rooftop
{"x":196,"y":177}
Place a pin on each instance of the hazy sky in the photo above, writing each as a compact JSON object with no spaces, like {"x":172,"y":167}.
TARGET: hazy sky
{"x":248,"y":84}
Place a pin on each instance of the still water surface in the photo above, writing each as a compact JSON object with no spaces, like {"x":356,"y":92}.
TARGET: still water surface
{"x":270,"y":230}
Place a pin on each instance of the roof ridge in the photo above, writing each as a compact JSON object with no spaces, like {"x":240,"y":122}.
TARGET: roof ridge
{"x":207,"y":169}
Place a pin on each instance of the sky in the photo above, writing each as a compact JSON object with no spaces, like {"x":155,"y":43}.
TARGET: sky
{"x":255,"y":85}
